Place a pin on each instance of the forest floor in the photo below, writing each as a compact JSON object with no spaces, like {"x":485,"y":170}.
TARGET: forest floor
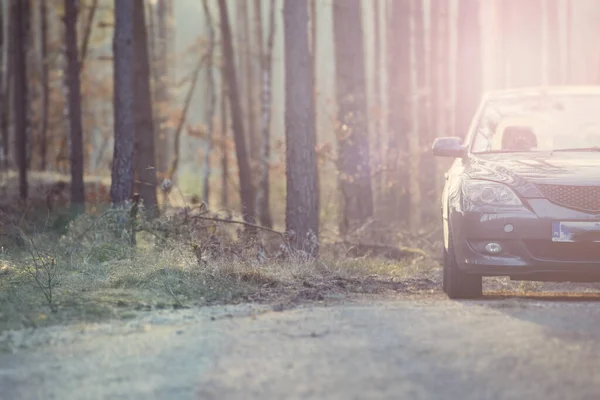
{"x":159,"y":322}
{"x":57,"y":271}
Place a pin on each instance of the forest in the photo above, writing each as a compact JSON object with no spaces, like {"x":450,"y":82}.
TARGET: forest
{"x":218,"y":140}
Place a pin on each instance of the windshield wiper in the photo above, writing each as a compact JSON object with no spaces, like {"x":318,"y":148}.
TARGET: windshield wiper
{"x":592,"y":149}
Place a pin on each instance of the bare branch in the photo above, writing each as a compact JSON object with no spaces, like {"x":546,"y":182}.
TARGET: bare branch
{"x":87,"y":34}
{"x":232,"y":221}
{"x":183,"y":118}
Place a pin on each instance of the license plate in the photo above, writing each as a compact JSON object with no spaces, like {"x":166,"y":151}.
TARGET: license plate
{"x":576,"y":231}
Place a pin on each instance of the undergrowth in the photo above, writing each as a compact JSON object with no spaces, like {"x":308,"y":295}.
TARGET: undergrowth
{"x":55,"y":269}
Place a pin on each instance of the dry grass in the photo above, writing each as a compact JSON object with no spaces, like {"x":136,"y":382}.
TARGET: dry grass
{"x":180,"y":260}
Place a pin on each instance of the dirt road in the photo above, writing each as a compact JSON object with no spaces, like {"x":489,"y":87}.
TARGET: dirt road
{"x":424,"y":347}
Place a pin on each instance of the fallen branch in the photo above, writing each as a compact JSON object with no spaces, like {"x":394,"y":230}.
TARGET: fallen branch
{"x":87,"y":34}
{"x":248,"y":224}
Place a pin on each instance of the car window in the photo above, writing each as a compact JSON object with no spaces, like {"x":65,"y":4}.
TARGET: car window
{"x":538,"y":123}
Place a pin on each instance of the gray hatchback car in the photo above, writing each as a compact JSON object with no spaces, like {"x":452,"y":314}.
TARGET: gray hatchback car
{"x":522,"y":198}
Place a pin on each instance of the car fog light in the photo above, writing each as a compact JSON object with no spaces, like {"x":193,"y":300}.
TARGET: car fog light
{"x":493,"y":248}
{"x":508,"y":228}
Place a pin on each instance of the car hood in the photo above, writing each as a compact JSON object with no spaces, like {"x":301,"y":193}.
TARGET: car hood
{"x":524,"y":169}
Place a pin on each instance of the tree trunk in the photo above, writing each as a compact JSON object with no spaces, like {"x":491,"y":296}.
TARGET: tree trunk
{"x":151,"y":33}
{"x":377,"y":148}
{"x":224,"y":150}
{"x":124,"y":70}
{"x":28,"y":43}
{"x":163,"y":134}
{"x":20,"y":92}
{"x":6,"y":66}
{"x":210,"y":82}
{"x":241,"y":53}
{"x":3,"y":43}
{"x":262,"y":197}
{"x":397,"y":178}
{"x":145,"y":163}
{"x":45,"y":84}
{"x":435,"y":80}
{"x":250,"y":79}
{"x":469,"y":74}
{"x":446,"y":105}
{"x":418,"y":116}
{"x":302,"y":192}
{"x":87,"y":34}
{"x":75,"y":124}
{"x":353,"y":129}
{"x":313,"y":53}
{"x":441,"y":80}
{"x":246,"y":189}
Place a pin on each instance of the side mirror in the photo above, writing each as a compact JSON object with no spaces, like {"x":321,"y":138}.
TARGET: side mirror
{"x":448,"y":147}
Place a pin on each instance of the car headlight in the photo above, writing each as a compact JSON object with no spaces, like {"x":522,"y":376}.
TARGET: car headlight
{"x":487,"y":193}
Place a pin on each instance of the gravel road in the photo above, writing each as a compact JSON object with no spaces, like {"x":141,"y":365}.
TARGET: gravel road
{"x":405,"y":347}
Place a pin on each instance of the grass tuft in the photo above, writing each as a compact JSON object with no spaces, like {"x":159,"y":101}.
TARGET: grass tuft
{"x":55,"y":269}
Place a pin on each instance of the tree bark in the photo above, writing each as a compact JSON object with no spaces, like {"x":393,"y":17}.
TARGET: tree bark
{"x":418,"y":114}
{"x":6,"y":65}
{"x":441,"y":80}
{"x":75,"y":124}
{"x":124,"y":70}
{"x":65,"y":141}
{"x":424,"y":97}
{"x":246,"y":189}
{"x":262,"y":197}
{"x":3,"y":43}
{"x":445,"y":86}
{"x":434,"y":49}
{"x":397,"y":178}
{"x":353,"y":129}
{"x":45,"y":84}
{"x":469,"y":74}
{"x":20,"y":92}
{"x":224,"y":150}
{"x":313,"y":55}
{"x":87,"y":34}
{"x":250,"y":79}
{"x":145,"y":163}
{"x":164,"y":146}
{"x":377,"y":148}
{"x":435,"y":80}
{"x":28,"y":43}
{"x":302,"y":193}
{"x":210,"y":82}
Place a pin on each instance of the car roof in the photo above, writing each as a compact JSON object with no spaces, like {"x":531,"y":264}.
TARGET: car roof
{"x":542,"y":90}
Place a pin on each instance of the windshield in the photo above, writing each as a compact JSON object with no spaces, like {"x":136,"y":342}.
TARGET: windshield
{"x":539,"y":123}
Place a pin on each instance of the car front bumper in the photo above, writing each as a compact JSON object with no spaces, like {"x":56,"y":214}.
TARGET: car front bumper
{"x":527,"y":246}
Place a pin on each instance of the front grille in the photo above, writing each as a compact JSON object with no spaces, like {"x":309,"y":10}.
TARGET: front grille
{"x":582,"y":198}
{"x":568,"y":251}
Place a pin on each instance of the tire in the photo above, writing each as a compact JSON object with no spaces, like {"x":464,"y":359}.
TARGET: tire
{"x":457,"y":284}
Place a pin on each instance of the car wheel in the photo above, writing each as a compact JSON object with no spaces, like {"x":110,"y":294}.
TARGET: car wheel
{"x":457,"y":284}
